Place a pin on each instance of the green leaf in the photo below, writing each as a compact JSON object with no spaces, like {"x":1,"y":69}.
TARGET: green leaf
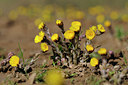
{"x":60,"y":48}
{"x":125,"y":60}
{"x":20,"y":54}
{"x":111,"y":73}
{"x":73,"y":74}
{"x":70,"y":45}
{"x":54,"y":64}
{"x":40,"y":76}
{"x":96,"y":55}
{"x":120,"y":32}
{"x":44,"y":65}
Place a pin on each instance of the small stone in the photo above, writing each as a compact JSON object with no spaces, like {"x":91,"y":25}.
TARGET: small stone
{"x":106,"y":83}
{"x":117,"y":67}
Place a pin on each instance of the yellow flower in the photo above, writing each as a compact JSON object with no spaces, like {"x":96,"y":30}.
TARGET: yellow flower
{"x":55,"y":37}
{"x":124,"y":17}
{"x":75,"y":28}
{"x":44,"y":47}
{"x":14,"y":61}
{"x":54,"y":77}
{"x":13,"y":15}
{"x":79,"y":15}
{"x":107,"y":23}
{"x":114,"y":15}
{"x":94,"y":62}
{"x":90,"y":34}
{"x":89,"y":48}
{"x":93,"y":28}
{"x":59,"y":22}
{"x":76,"y":23}
{"x":41,"y":25}
{"x":38,"y":39}
{"x":102,"y":51}
{"x":100,"y":18}
{"x":37,"y":21}
{"x":41,"y":34}
{"x":69,"y":34}
{"x":101,"y":28}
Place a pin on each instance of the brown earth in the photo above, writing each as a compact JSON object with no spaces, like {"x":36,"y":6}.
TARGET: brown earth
{"x":23,"y":31}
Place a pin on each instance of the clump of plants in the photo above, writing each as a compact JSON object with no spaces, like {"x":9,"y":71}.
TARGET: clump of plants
{"x":18,"y":67}
{"x":66,"y":47}
{"x":67,"y":51}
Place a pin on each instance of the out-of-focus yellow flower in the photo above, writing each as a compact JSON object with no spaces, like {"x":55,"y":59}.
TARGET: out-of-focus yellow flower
{"x":100,"y":18}
{"x":59,"y":22}
{"x":37,"y":21}
{"x":13,"y":15}
{"x":47,"y":14}
{"x":70,"y":13}
{"x":76,"y":23}
{"x":54,"y":77}
{"x":22,"y":10}
{"x":41,"y":34}
{"x":101,"y":28}
{"x":44,"y":47}
{"x":14,"y":61}
{"x":114,"y":15}
{"x":90,"y":34}
{"x":96,"y":10}
{"x":55,"y":37}
{"x":38,"y":39}
{"x":75,"y":28}
{"x":93,"y":28}
{"x":59,"y":12}
{"x":126,"y":5}
{"x":69,"y":34}
{"x":41,"y":25}
{"x":94,"y":62}
{"x":92,"y":11}
{"x":124,"y":18}
{"x":79,"y":15}
{"x":102,"y":51}
{"x":107,"y":23}
{"x":89,"y":48}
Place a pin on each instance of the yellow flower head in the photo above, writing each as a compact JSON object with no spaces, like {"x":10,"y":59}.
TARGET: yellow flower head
{"x":37,"y":21}
{"x":44,"y":47}
{"x":13,"y":15}
{"x":93,"y":28}
{"x":100,"y":18}
{"x":114,"y":15}
{"x":59,"y":22}
{"x":102,"y":51}
{"x":107,"y":23}
{"x":41,"y":25}
{"x":94,"y":62}
{"x":76,"y":23}
{"x":89,"y":48}
{"x":38,"y":39}
{"x":75,"y":28}
{"x":124,"y":17}
{"x":90,"y":34}
{"x":54,"y":77}
{"x":69,"y":34}
{"x":55,"y":37}
{"x":101,"y":28}
{"x":41,"y":34}
{"x":14,"y":61}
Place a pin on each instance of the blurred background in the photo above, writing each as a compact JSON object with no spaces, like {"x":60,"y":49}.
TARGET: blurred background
{"x":19,"y":20}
